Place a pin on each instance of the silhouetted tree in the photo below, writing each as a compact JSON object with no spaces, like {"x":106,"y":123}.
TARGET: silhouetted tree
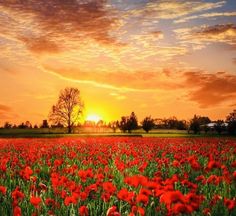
{"x":231,"y":120}
{"x":206,"y":128}
{"x":114,"y":125}
{"x":45,"y":124}
{"x":123,"y":123}
{"x":7,"y":125}
{"x":28,"y":124}
{"x":22,"y":125}
{"x":181,"y":125}
{"x":128,"y":123}
{"x":36,"y":126}
{"x":219,"y":126}
{"x":203,"y":120}
{"x":148,"y":123}
{"x":58,"y":125}
{"x":67,"y":109}
{"x":195,"y":124}
{"x":132,"y":123}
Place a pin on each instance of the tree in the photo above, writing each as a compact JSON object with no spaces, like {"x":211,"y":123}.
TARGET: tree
{"x":195,"y":124}
{"x":123,"y":123}
{"x":114,"y":125}
{"x":45,"y":124}
{"x":148,"y":123}
{"x":132,"y":123}
{"x":219,"y":126}
{"x":128,"y":123}
{"x":231,"y":120}
{"x":7,"y":125}
{"x":68,"y":108}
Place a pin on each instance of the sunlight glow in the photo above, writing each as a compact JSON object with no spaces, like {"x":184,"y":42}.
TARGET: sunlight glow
{"x":93,"y":117}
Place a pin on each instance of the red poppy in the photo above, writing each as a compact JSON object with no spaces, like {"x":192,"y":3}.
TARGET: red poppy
{"x":17,"y":211}
{"x":112,"y":211}
{"x":83,"y":211}
{"x":35,"y":201}
{"x":142,"y":198}
{"x":3,"y":190}
{"x":230,"y":203}
{"x":170,"y":197}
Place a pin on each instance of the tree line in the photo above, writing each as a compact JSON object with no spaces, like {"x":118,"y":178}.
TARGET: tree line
{"x":69,"y":108}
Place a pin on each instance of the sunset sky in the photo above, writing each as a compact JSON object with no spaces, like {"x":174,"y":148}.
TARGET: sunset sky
{"x":159,"y":57}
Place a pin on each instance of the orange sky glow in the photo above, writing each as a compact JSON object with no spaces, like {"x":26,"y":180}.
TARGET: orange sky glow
{"x":154,"y":57}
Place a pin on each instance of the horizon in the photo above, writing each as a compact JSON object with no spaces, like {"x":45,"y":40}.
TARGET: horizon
{"x":159,"y":58}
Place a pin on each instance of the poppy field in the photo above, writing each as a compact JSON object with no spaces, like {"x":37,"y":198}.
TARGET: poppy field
{"x":113,"y":176}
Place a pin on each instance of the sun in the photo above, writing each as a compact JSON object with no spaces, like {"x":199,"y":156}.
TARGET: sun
{"x":93,"y":117}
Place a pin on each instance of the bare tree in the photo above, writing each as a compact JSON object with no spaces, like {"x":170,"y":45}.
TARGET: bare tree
{"x":68,"y":108}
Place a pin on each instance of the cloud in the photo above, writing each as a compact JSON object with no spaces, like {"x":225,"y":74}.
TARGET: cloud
{"x":137,"y":80}
{"x":171,"y":9}
{"x":45,"y":22}
{"x":41,"y":45}
{"x":6,"y":113}
{"x":234,"y":61}
{"x":4,"y":108}
{"x":206,"y":15}
{"x":210,"y":89}
{"x":203,"y":35}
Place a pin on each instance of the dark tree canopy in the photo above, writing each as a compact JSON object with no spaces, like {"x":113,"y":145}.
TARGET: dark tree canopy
{"x":195,"y":124}
{"x":68,"y":108}
{"x":129,"y":123}
{"x":148,"y":123}
{"x":231,"y":120}
{"x":219,"y":126}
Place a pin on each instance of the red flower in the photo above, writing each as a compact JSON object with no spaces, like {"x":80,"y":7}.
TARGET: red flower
{"x":70,"y":199}
{"x":16,"y":194}
{"x":179,"y":208}
{"x":113,"y":211}
{"x":125,"y":195}
{"x":230,"y":204}
{"x":109,"y":187}
{"x":83,"y":211}
{"x":26,"y":173}
{"x":3,"y":190}
{"x":213,"y":164}
{"x":170,"y":197}
{"x":234,"y":175}
{"x":141,"y":211}
{"x":17,"y":211}
{"x":142,"y":198}
{"x":35,"y":201}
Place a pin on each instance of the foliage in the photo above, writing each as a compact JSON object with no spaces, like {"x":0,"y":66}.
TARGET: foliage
{"x":231,"y":120}
{"x":148,"y":123}
{"x":219,"y":126}
{"x":198,"y":121}
{"x":128,"y":123}
{"x":67,"y":109}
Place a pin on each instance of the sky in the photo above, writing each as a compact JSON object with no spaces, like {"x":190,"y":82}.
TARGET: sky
{"x":159,"y":57}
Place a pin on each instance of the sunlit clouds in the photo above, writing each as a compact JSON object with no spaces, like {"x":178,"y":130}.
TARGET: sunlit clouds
{"x":124,"y":56}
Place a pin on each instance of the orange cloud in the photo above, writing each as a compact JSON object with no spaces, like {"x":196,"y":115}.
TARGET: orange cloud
{"x":6,"y":113}
{"x":41,"y":45}
{"x":46,"y":21}
{"x":140,"y":81}
{"x":4,"y":108}
{"x":210,"y":89}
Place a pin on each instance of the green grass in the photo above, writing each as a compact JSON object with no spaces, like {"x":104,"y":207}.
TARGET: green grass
{"x":62,"y":132}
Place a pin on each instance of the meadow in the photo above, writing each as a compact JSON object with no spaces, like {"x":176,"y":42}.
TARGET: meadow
{"x":117,"y":176}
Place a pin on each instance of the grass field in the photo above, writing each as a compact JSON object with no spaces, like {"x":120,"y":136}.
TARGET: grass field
{"x":97,"y":132}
